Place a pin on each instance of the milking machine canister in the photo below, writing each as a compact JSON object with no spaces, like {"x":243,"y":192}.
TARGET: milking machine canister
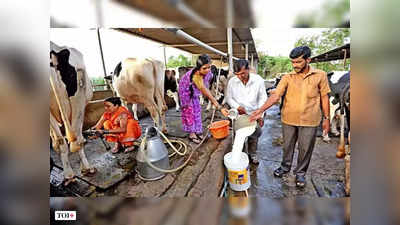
{"x":156,"y":153}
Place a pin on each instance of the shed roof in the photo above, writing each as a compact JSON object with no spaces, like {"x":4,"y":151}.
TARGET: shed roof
{"x":214,"y":37}
{"x":213,"y":11}
{"x":334,"y":54}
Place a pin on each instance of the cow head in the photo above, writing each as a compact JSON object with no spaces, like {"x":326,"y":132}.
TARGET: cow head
{"x":169,"y":74}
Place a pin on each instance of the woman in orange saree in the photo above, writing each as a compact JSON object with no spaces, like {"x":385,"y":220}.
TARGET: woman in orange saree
{"x":119,"y":125}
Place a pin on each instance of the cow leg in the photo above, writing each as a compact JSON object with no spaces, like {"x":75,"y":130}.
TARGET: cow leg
{"x":153,"y":110}
{"x":201,"y":100}
{"x":59,"y":95}
{"x":131,"y":107}
{"x":176,"y":99}
{"x":78,"y":103}
{"x":341,"y":148}
{"x":60,"y":145}
{"x":208,"y":106}
{"x":134,"y":110}
{"x":161,"y":108}
{"x":334,"y":125}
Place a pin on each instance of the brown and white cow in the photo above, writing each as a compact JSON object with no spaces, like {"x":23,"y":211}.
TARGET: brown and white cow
{"x":141,"y":81}
{"x":70,"y":91}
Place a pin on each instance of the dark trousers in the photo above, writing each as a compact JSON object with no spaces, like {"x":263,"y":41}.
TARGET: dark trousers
{"x":252,"y":141}
{"x":305,"y":136}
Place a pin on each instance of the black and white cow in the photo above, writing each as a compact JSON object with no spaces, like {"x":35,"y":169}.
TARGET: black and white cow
{"x":340,"y":106}
{"x":70,"y":92}
{"x":213,"y":86}
{"x":171,"y":87}
{"x":182,"y":70}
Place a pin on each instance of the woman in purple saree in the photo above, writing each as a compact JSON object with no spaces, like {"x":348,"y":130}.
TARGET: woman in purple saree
{"x":192,"y":84}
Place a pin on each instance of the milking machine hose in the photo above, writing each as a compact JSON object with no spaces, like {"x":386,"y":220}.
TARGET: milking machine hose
{"x":144,"y":142}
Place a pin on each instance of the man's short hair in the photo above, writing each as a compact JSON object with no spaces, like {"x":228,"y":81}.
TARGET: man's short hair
{"x":304,"y":51}
{"x":237,"y":66}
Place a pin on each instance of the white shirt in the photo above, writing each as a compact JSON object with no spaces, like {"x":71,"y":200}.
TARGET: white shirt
{"x":250,"y":96}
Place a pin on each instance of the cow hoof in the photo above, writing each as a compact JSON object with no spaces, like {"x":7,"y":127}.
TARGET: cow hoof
{"x":340,"y":154}
{"x":75,"y":146}
{"x":327,"y":140}
{"x":89,"y":172}
{"x":68,"y":181}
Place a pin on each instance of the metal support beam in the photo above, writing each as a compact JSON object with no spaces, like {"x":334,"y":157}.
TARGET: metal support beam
{"x":102,"y":57}
{"x":101,"y":51}
{"x":230,"y":51}
{"x":210,"y":43}
{"x":229,"y":13}
{"x":186,"y":36}
{"x":247,"y":51}
{"x":99,"y":13}
{"x":165,"y":56}
{"x":181,"y":6}
{"x":252,"y":61}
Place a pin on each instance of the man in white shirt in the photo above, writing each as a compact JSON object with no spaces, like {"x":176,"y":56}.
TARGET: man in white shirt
{"x":246,"y":93}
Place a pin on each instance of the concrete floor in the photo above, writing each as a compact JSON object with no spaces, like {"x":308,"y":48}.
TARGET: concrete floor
{"x":325,"y":177}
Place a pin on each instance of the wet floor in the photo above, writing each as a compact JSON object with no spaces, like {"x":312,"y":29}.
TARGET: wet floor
{"x":325,"y":176}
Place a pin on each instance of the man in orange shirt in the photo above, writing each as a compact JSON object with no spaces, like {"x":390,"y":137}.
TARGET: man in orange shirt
{"x":306,"y":91}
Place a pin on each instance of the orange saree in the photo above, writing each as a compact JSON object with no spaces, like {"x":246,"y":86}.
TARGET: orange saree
{"x":133,"y":130}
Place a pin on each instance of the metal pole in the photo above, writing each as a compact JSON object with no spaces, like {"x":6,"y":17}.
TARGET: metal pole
{"x":247,"y":51}
{"x":99,"y":13}
{"x":190,"y":13}
{"x":165,"y":57}
{"x":229,"y":38}
{"x":102,"y":58}
{"x":186,"y":36}
{"x":252,"y":61}
{"x":229,"y":13}
{"x":101,"y":51}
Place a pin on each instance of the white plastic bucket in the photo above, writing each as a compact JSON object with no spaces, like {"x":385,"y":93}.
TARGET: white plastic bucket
{"x":238,"y":172}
